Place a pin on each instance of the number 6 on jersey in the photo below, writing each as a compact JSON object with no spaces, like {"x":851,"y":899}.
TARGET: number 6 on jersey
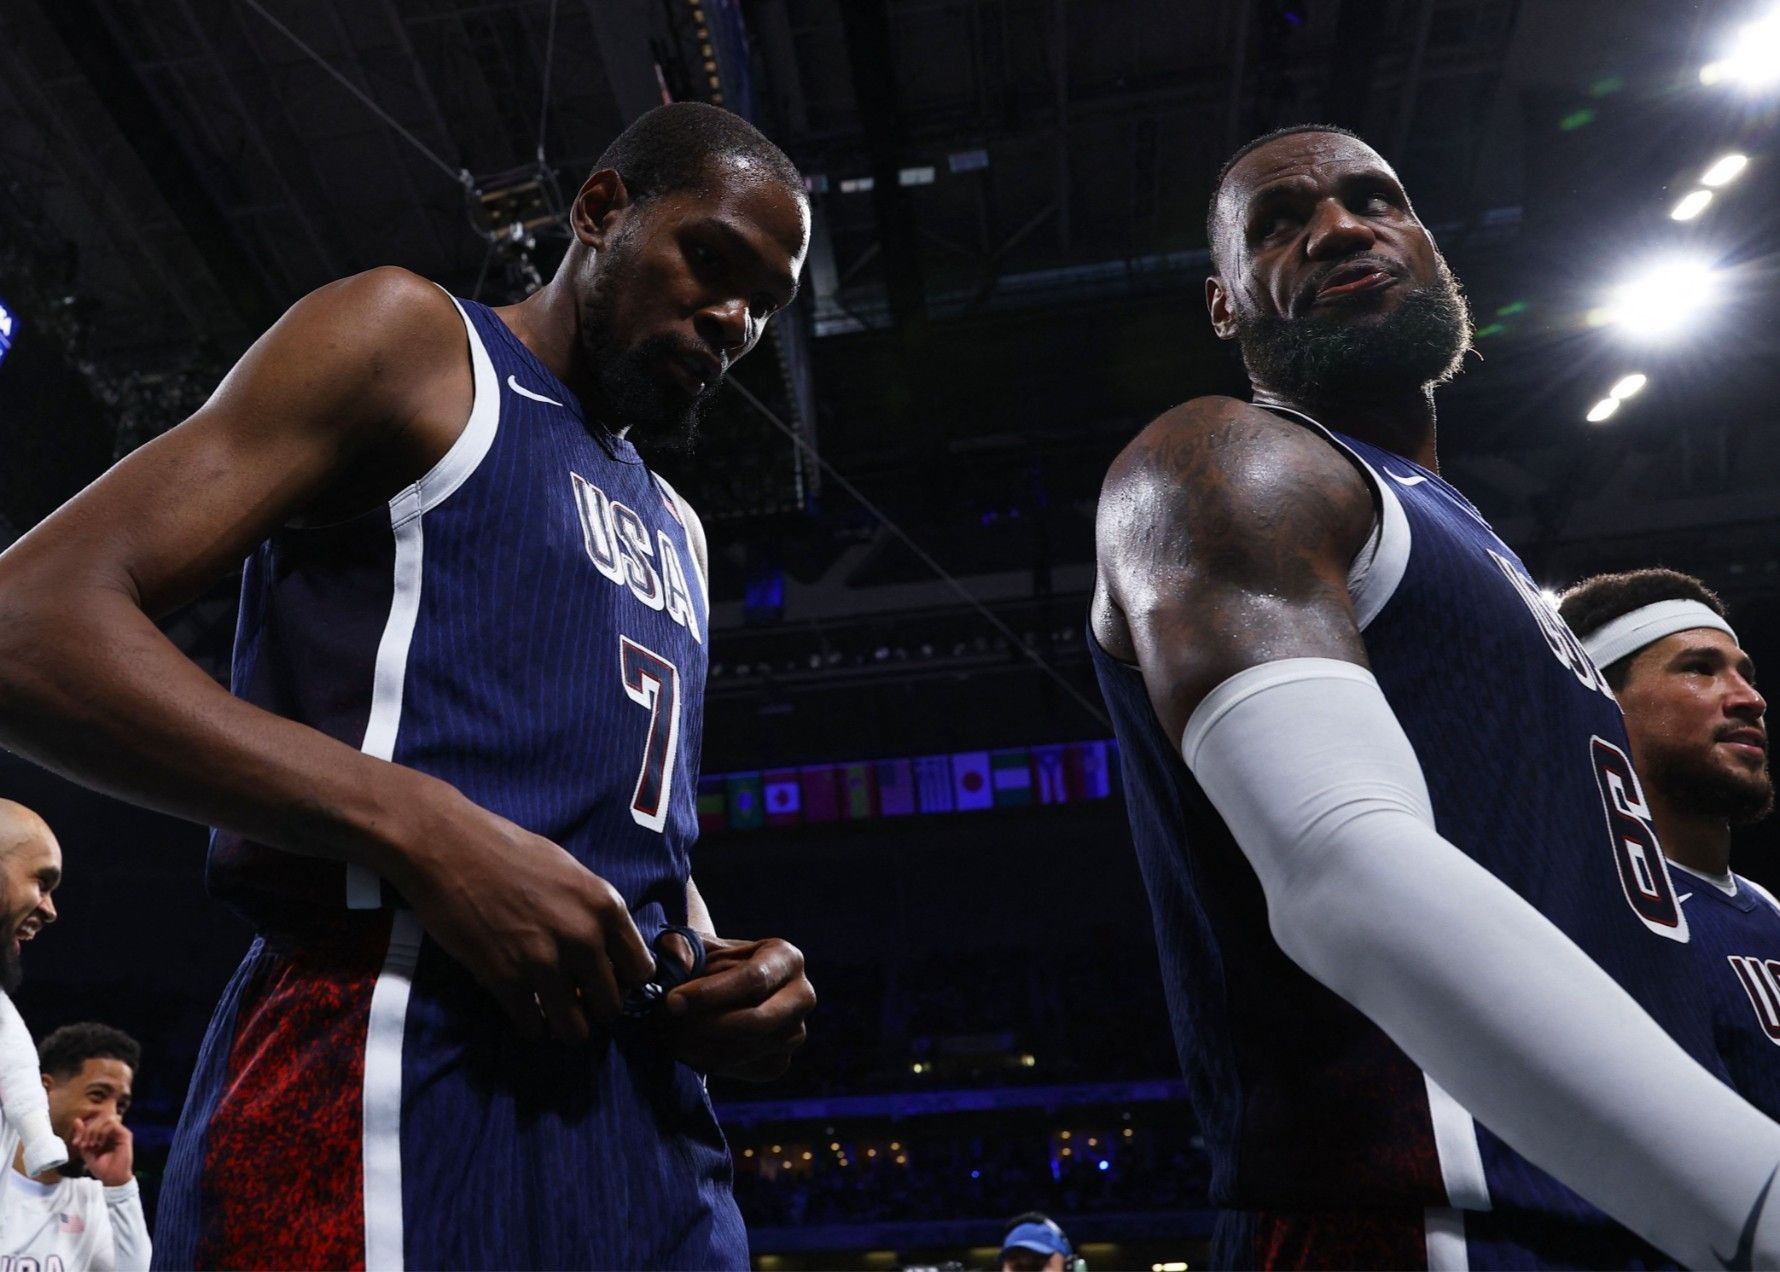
{"x":653,"y":682}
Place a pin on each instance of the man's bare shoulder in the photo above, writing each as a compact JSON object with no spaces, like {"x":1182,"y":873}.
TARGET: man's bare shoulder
{"x":387,"y":308}
{"x":1223,"y":489}
{"x":1222,"y":442}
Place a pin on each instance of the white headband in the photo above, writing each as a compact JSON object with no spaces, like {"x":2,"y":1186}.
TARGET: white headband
{"x":1629,"y":633}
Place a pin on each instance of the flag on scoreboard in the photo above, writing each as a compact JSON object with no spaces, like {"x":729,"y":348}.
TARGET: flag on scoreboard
{"x":970,"y":781}
{"x":784,"y":799}
{"x":933,"y":783}
{"x":1011,"y":775}
{"x":821,"y":793}
{"x":1087,"y":770}
{"x":710,"y":805}
{"x":860,"y":792}
{"x":1050,"y":775}
{"x":896,"y":787}
{"x":747,"y":810}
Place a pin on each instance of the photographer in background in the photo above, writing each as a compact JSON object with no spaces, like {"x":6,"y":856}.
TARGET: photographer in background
{"x":1034,"y":1243}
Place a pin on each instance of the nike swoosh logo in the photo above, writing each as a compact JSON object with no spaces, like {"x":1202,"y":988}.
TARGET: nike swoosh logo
{"x":1415,"y":479}
{"x":1744,"y":1255}
{"x":1685,"y":896}
{"x":522,"y":391}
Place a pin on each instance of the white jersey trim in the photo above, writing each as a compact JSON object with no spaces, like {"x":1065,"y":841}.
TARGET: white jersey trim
{"x":382,"y":1107}
{"x":1455,"y":1143}
{"x":472,"y":445}
{"x":364,"y":891}
{"x":1378,"y":567}
{"x":1727,"y":883}
{"x":1759,"y":891}
{"x":1447,"y":1250}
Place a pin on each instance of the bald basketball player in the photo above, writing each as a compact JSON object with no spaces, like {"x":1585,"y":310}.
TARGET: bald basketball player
{"x":1423,"y":957}
{"x":30,"y":871}
{"x":454,"y":785}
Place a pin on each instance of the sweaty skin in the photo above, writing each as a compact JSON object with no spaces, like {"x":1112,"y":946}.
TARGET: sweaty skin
{"x":355,"y":393}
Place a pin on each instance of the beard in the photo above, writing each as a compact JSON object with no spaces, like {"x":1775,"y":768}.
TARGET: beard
{"x":634,"y":394}
{"x":1700,"y":785}
{"x":1417,"y":344}
{"x":12,"y":972}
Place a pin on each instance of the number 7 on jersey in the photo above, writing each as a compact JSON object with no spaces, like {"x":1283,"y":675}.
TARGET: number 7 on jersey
{"x":652,"y":681}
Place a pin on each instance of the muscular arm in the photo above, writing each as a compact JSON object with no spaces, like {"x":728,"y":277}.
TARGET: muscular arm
{"x":1213,"y":529}
{"x":365,"y":377}
{"x":91,"y":688}
{"x":1225,"y":534}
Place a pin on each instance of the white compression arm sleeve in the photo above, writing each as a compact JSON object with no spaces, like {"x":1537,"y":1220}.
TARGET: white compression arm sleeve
{"x":1314,"y":776}
{"x":22,"y":1097}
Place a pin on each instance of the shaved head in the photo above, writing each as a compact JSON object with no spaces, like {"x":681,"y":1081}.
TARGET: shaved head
{"x":21,"y":828}
{"x":30,"y":870}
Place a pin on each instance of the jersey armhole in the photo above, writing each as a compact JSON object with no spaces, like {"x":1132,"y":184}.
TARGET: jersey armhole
{"x":1378,"y":566}
{"x":472,"y":445}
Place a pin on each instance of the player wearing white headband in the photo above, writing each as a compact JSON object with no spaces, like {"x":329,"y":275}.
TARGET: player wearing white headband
{"x":1700,"y":744}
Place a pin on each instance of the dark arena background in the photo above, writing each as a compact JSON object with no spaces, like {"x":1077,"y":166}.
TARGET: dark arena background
{"x":908,"y":767}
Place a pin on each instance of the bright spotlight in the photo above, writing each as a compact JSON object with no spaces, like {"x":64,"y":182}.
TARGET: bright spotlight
{"x":1602,"y":409}
{"x":1752,"y":58}
{"x":1691,"y":206}
{"x":1627,"y":386}
{"x":1662,"y":299}
{"x":1725,"y":170}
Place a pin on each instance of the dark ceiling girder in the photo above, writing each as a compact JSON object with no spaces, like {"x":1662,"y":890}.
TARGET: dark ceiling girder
{"x":90,"y":42}
{"x":622,"y":28}
{"x":1359,"y":35}
{"x":866,"y":24}
{"x":250,"y":127}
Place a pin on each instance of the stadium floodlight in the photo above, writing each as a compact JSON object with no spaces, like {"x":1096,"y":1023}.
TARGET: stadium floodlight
{"x":1627,"y":386}
{"x":1691,"y":205}
{"x":1752,"y":58}
{"x":1724,"y":170}
{"x":1603,"y":410}
{"x":1660,"y":300}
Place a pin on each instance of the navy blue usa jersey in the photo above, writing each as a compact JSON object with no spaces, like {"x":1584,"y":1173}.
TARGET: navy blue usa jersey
{"x":1736,"y":939}
{"x":526,"y":622}
{"x":1305,"y":1104}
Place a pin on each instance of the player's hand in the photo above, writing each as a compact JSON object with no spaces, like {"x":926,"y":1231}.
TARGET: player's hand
{"x":105,"y":1144}
{"x":744,"y":1017}
{"x":552,"y":941}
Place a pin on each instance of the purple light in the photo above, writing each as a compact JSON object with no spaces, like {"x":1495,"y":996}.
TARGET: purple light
{"x":1105,"y":1165}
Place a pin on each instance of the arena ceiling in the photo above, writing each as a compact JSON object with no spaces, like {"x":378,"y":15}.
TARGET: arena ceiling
{"x":1006,"y":275}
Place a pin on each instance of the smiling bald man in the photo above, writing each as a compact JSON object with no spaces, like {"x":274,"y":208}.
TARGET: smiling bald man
{"x":30,"y":870}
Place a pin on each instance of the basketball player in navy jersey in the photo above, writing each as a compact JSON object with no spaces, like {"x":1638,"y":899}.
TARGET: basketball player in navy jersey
{"x":454,"y":785}
{"x":1699,"y":738}
{"x":1414,"y":921}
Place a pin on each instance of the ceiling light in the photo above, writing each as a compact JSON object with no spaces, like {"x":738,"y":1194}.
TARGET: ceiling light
{"x":1603,"y":409}
{"x":1691,"y":206}
{"x":1725,"y":170}
{"x":1662,"y":298}
{"x":1752,"y":58}
{"x":1627,"y":386}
